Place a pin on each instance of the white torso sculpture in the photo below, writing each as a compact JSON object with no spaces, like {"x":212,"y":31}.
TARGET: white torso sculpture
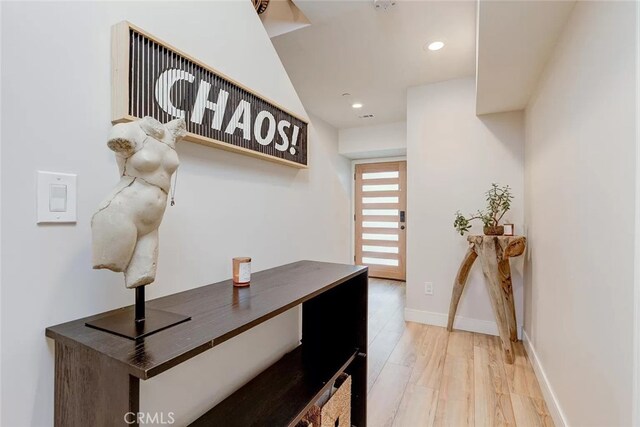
{"x":125,"y":227}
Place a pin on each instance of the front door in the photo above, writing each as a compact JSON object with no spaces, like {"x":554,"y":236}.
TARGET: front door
{"x":380,"y":216}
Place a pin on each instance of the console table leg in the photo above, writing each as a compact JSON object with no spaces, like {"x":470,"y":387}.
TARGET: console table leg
{"x":459,"y":283}
{"x":488,"y":250}
{"x":92,"y":390}
{"x":507,"y":294}
{"x":358,"y":372}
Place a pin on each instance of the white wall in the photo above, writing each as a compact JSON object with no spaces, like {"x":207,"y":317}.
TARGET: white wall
{"x":636,"y":312}
{"x":283,"y":17}
{"x":370,"y":142}
{"x":0,"y":217}
{"x":580,"y":162}
{"x":55,"y":81}
{"x":513,"y":42}
{"x":453,"y":156}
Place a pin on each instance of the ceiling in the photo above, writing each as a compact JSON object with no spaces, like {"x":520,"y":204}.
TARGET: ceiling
{"x":282,"y":17}
{"x":375,"y":55}
{"x":515,"y":39}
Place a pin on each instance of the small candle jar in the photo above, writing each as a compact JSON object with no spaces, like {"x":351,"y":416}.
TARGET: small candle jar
{"x":241,"y":271}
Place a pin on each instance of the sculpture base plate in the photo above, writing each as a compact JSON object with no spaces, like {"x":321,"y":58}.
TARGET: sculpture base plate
{"x":123,"y":323}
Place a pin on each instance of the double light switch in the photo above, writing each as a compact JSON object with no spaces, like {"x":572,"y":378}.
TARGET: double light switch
{"x":56,"y":197}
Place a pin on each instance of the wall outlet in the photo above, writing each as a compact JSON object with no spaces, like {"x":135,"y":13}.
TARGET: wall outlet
{"x":428,"y":288}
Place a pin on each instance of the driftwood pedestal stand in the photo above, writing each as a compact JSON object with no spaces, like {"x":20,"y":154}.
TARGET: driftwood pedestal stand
{"x":494,"y":253}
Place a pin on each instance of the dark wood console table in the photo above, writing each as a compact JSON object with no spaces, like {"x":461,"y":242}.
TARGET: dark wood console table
{"x":97,"y":374}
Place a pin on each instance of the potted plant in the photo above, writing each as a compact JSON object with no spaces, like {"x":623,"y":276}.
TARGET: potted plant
{"x":498,"y":203}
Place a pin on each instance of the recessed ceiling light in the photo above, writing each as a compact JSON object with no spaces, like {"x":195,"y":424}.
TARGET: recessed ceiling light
{"x":357,"y":105}
{"x":435,"y":46}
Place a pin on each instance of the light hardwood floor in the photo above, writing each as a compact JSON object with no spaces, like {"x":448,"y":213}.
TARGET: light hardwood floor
{"x":421,"y":375}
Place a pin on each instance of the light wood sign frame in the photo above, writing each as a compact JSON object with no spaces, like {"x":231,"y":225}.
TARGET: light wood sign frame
{"x":151,"y":78}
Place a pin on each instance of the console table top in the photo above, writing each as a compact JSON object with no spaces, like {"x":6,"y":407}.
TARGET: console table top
{"x":219,"y":312}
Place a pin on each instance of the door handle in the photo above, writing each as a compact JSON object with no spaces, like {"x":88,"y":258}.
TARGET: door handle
{"x":402,"y":215}
{"x":402,"y":227}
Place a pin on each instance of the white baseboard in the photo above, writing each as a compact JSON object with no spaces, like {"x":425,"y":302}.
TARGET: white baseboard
{"x":559,"y":419}
{"x":462,"y":323}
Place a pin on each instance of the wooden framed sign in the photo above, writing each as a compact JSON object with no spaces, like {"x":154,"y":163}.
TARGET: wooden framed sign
{"x":152,"y":78}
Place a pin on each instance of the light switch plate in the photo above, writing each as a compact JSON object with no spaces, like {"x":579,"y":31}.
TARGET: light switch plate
{"x":428,"y":288}
{"x":56,"y":197}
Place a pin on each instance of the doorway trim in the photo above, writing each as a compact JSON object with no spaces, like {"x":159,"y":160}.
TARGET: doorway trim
{"x":352,"y":227}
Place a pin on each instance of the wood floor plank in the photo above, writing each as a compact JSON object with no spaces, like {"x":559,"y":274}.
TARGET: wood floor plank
{"x":386,"y":395}
{"x":460,"y":344}
{"x":492,"y":401}
{"x":520,"y":375}
{"x":386,"y":297}
{"x":417,"y":408}
{"x":383,"y":345}
{"x":530,"y":412}
{"x":456,"y":393}
{"x":483,"y":340}
{"x":408,"y":347}
{"x":457,"y":379}
{"x":429,"y":364}
{"x":453,"y":413}
{"x":491,"y":364}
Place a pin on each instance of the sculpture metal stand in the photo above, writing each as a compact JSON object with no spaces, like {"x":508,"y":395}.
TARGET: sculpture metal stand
{"x":125,"y":227}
